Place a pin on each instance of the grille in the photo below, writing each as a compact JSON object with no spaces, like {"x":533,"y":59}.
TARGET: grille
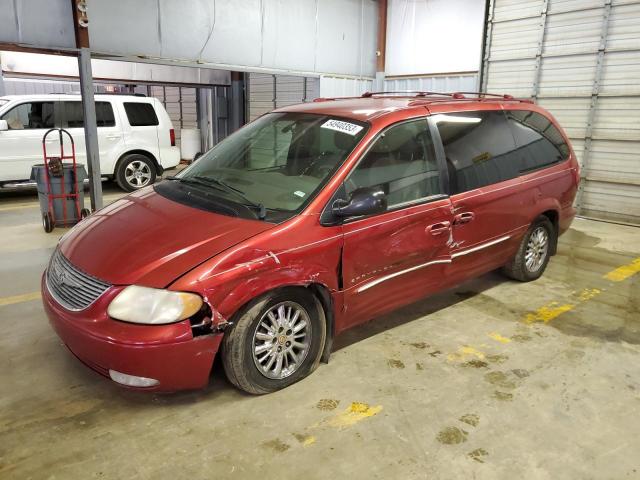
{"x":73,"y":289}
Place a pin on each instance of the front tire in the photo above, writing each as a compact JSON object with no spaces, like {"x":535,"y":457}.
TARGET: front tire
{"x":134,"y":172}
{"x":534,"y":252}
{"x":275,"y":341}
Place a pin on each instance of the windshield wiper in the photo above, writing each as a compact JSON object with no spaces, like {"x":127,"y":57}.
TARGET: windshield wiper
{"x":214,"y":182}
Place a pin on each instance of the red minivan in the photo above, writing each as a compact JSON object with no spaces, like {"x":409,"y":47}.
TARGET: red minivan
{"x":308,"y":221}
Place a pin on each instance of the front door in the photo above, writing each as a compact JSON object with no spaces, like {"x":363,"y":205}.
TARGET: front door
{"x":21,"y":145}
{"x":399,"y":256}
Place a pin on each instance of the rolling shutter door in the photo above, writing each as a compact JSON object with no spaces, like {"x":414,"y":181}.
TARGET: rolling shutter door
{"x":581,"y":61}
{"x":268,"y":92}
{"x":180,"y":104}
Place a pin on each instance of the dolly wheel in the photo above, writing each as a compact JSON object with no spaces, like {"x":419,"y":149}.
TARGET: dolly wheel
{"x":47,"y":222}
{"x":84,"y":213}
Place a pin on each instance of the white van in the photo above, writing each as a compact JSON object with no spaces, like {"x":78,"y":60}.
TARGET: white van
{"x":135,"y":136}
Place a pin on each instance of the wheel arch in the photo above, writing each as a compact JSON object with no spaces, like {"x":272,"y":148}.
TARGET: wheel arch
{"x":146,"y":153}
{"x":554,"y":217}
{"x":320,"y":293}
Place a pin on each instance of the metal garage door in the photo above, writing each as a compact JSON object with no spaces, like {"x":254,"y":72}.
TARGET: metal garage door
{"x":180,"y":103}
{"x":581,"y":60}
{"x":267,"y":92}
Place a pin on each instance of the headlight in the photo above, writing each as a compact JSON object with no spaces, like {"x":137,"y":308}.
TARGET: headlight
{"x":153,"y":306}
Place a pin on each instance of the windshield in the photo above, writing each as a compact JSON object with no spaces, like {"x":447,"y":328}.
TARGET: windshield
{"x":278,"y":162}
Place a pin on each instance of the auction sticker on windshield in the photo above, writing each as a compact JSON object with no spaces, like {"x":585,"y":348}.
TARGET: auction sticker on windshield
{"x":343,"y":127}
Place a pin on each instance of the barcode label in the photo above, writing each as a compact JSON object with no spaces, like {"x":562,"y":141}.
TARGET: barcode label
{"x":343,"y":127}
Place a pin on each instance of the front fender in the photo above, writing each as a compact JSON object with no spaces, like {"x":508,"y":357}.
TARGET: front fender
{"x":246,"y":289}
{"x":234,"y":278}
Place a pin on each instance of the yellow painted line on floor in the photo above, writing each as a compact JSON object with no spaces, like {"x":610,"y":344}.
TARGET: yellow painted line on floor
{"x":623,"y":272}
{"x":553,"y":310}
{"x":25,"y":297}
{"x":589,"y":293}
{"x":499,"y":338}
{"x":464,"y":353}
{"x":548,"y":312}
{"x":355,"y":413}
{"x":310,"y":440}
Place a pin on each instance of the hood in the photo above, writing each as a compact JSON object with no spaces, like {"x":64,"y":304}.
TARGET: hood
{"x":149,"y":240}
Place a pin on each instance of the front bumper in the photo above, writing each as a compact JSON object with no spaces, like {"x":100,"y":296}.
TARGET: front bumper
{"x":167,"y":353}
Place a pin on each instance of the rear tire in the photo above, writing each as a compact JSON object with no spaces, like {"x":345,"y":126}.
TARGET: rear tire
{"x":258,"y":337}
{"x":533,"y":253}
{"x":135,"y":171}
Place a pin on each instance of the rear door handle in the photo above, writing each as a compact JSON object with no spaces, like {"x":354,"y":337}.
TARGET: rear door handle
{"x":464,"y":217}
{"x":113,"y":137}
{"x":439,"y":228}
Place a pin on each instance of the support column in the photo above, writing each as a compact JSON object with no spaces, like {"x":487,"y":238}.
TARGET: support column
{"x":378,"y":83}
{"x":90,"y":128}
{"x":2,"y":90}
{"x":237,"y":101}
{"x":204,"y":107}
{"x":486,"y":54}
{"x":81,"y":30}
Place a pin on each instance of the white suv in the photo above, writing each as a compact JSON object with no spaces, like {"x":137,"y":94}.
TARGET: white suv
{"x":135,"y":136}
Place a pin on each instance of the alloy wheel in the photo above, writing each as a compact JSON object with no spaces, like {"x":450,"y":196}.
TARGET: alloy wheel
{"x":137,"y":174}
{"x":281,"y":340}
{"x":537,"y":249}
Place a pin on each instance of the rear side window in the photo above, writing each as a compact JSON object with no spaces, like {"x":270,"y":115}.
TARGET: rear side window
{"x":479,"y":149}
{"x":402,"y":162}
{"x":140,"y":114}
{"x":28,"y":116}
{"x":539,"y":142}
{"x":74,"y":115}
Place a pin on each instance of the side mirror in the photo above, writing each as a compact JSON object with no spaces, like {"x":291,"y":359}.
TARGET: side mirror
{"x":363,"y":201}
{"x":3,"y":125}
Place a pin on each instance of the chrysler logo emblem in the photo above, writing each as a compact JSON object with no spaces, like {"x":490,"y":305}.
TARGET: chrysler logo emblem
{"x":62,"y":278}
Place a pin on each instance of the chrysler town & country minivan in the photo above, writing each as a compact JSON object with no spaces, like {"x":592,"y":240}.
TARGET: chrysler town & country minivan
{"x":306,"y":222}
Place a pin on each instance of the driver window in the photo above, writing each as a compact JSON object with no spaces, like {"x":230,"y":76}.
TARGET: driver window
{"x":402,"y":162}
{"x":30,"y":116}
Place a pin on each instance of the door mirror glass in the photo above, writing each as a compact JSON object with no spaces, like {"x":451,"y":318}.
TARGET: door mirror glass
{"x":363,"y":201}
{"x":3,"y":125}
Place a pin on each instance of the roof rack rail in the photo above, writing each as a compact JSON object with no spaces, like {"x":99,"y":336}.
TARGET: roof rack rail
{"x":505,"y":96}
{"x":416,"y":93}
{"x":453,"y":95}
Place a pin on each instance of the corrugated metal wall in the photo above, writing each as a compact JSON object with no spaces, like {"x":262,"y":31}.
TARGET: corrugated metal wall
{"x":180,"y":103}
{"x":580,"y":60}
{"x":268,"y":92}
{"x":434,"y":83}
{"x":331,"y":86}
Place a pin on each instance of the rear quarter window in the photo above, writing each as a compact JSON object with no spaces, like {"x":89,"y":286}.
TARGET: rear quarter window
{"x":539,"y":142}
{"x":140,"y":114}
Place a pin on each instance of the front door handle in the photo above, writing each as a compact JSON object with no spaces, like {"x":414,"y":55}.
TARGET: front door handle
{"x":439,"y":228}
{"x":464,"y":217}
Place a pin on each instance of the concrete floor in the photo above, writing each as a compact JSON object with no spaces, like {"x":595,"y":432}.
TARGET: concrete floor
{"x":495,"y":379}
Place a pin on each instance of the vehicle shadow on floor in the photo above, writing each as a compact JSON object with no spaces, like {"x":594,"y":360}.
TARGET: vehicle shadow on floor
{"x":418,"y":310}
